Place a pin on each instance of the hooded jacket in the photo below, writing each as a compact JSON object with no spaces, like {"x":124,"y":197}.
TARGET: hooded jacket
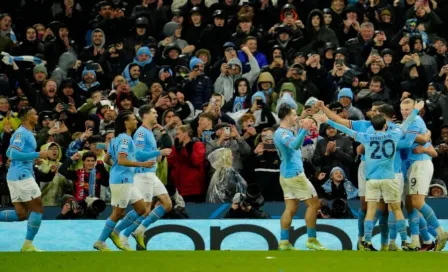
{"x":88,"y":52}
{"x":66,"y":62}
{"x":51,"y":184}
{"x":317,"y":39}
{"x":168,"y":31}
{"x":225,"y":84}
{"x":291,"y":101}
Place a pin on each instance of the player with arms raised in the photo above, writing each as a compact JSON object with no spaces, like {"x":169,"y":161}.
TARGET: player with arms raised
{"x":25,"y":193}
{"x":380,"y":149}
{"x":295,"y":185}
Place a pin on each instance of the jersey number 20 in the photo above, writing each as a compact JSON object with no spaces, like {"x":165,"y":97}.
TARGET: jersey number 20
{"x":376,"y":154}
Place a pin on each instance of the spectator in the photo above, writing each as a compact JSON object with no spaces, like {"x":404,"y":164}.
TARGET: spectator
{"x":227,"y":136}
{"x":345,"y":97}
{"x":251,"y":43}
{"x":226,"y":181}
{"x":187,"y":165}
{"x":267,"y":167}
{"x":338,"y":186}
{"x":233,"y":70}
{"x":437,"y":189}
{"x":197,"y":87}
{"x":441,"y":161}
{"x":333,"y":150}
{"x":51,"y":184}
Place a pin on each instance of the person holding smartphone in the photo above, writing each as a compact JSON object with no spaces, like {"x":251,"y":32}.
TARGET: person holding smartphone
{"x":227,"y":136}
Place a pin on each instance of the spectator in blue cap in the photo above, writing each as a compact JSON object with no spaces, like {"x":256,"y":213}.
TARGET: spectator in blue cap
{"x":345,"y":97}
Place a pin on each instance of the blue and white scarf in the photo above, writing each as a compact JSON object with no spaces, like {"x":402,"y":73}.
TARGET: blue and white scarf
{"x":92,"y":179}
{"x":8,"y":59}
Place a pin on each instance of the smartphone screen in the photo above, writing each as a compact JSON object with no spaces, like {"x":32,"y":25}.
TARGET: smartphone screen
{"x":101,"y":146}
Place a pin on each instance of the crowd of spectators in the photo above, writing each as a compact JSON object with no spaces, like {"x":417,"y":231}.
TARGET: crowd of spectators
{"x":216,"y":72}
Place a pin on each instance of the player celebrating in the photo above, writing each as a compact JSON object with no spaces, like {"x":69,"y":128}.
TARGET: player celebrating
{"x":380,"y":149}
{"x":145,"y":179}
{"x":295,"y":185}
{"x":25,"y":193}
{"x":419,"y":175}
{"x":121,"y":155}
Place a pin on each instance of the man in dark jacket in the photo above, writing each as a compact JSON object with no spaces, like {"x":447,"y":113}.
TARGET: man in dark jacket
{"x":197,"y":87}
{"x":359,"y":48}
{"x":334,"y":150}
{"x":214,"y":36}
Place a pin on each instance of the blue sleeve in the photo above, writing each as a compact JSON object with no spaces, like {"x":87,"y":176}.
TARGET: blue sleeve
{"x":123,"y":146}
{"x":18,"y":141}
{"x":407,"y":140}
{"x":360,"y":125}
{"x":18,"y":155}
{"x":342,"y":128}
{"x":141,"y":155}
{"x":140,"y":144}
{"x":288,"y":140}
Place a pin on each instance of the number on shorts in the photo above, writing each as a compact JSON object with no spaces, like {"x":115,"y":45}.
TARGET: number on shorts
{"x":382,"y":146}
{"x":413,"y":182}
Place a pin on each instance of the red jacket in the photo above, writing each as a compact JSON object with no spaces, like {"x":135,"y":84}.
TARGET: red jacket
{"x":187,"y":169}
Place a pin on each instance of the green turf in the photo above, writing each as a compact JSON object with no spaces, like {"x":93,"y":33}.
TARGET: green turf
{"x":238,"y":261}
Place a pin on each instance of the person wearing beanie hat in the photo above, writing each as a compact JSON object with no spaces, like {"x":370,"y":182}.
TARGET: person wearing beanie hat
{"x":437,"y":188}
{"x":89,"y":81}
{"x":345,"y":97}
{"x":333,"y":187}
{"x":40,"y":73}
{"x":172,"y":32}
{"x":148,"y":68}
{"x":194,"y":62}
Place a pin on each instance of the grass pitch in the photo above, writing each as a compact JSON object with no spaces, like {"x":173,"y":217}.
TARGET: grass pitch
{"x":258,"y":261}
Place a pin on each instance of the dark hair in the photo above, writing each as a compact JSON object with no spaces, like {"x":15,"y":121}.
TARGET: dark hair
{"x":88,"y":154}
{"x":378,"y":121}
{"x":248,"y":38}
{"x":335,"y":105}
{"x":24,"y":112}
{"x":146,"y":109}
{"x":208,"y":115}
{"x":387,"y":110}
{"x":268,"y":129}
{"x":120,"y":126}
{"x":378,"y":79}
{"x":378,"y":103}
{"x":284,"y":111}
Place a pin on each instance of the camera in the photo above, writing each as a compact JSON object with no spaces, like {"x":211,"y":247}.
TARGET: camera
{"x":95,"y":205}
{"x":340,"y":209}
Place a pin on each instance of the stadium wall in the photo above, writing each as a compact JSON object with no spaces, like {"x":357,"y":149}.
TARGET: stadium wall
{"x":275,"y":209}
{"x":215,"y":234}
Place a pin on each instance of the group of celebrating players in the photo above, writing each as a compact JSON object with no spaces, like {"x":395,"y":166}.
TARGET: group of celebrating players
{"x":396,"y":166}
{"x":132,"y":179}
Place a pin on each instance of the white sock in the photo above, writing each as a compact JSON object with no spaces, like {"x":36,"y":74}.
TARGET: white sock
{"x":440,"y":231}
{"x":140,"y":229}
{"x":427,"y":242}
{"x":27,"y":243}
{"x":415,"y":240}
{"x":124,"y":239}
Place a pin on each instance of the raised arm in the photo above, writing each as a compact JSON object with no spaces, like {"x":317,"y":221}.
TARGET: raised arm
{"x":332,"y":115}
